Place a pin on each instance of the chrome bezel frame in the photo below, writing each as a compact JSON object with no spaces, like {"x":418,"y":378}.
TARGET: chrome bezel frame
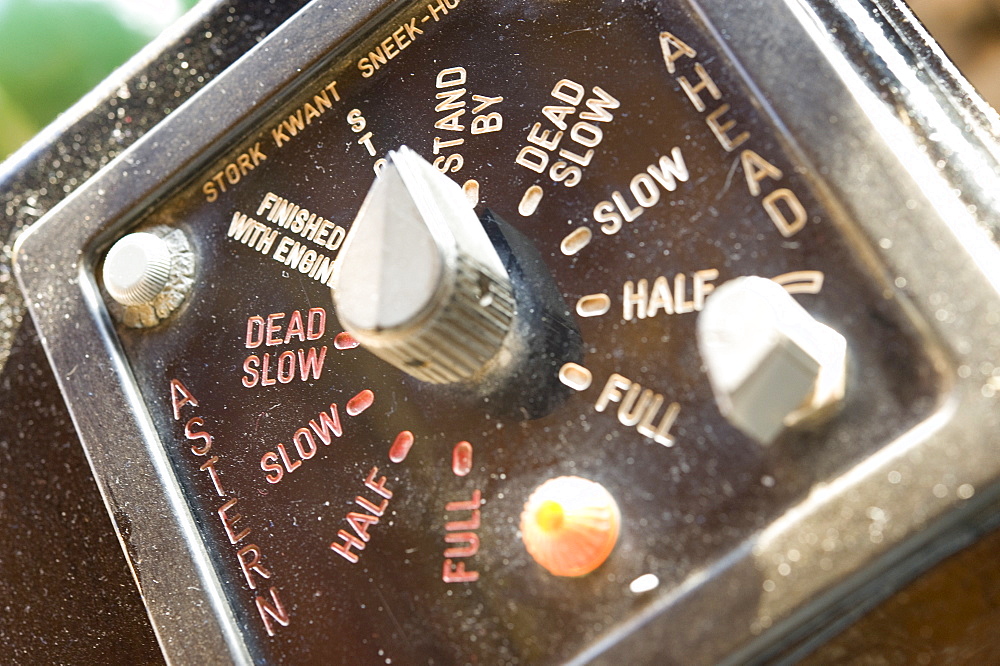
{"x":881,"y":161}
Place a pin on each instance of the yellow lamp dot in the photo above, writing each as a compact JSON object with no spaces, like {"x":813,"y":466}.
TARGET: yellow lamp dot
{"x":550,"y":515}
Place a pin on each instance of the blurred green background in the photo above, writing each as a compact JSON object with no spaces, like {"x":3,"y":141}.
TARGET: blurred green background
{"x":52,"y":52}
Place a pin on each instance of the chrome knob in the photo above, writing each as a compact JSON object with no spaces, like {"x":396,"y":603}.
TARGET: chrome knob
{"x":771,"y":365}
{"x":418,"y":281}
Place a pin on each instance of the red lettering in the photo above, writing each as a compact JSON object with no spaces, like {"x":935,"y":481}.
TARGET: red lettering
{"x":268,"y":332}
{"x":468,"y":538}
{"x":252,"y":565}
{"x":317,"y":324}
{"x":289,"y":465}
{"x":269,"y":463}
{"x":264,"y":379}
{"x":365,"y":504}
{"x":454,"y":572}
{"x":286,"y":367}
{"x":344,"y":549}
{"x":250,"y":366}
{"x":467,"y":505}
{"x":209,"y":465}
{"x":360,"y":523}
{"x":304,"y":443}
{"x":459,"y":525}
{"x":228,"y":522}
{"x":460,"y":532}
{"x":180,"y":396}
{"x":378,"y":487}
{"x":295,"y":329}
{"x":198,"y":422}
{"x":310,"y":363}
{"x":274,"y":327}
{"x":255,"y":332}
{"x":328,"y":425}
{"x":282,"y":370}
{"x":273,"y":610}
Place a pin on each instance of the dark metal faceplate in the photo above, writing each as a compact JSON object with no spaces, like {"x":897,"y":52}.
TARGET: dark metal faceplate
{"x":685,"y":508}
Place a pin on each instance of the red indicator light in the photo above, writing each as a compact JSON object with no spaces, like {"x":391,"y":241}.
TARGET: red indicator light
{"x":345,"y":341}
{"x":401,"y":446}
{"x":360,"y":402}
{"x":461,"y":459}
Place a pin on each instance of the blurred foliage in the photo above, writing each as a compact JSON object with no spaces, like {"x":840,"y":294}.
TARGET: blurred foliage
{"x":54,"y":51}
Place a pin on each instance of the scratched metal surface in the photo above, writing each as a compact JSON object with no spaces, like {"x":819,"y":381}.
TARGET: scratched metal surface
{"x":950,"y":614}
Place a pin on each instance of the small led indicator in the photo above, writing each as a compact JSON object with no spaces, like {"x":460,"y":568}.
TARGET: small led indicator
{"x":345,"y":341}
{"x":461,"y":459}
{"x":401,"y":446}
{"x":593,"y":305}
{"x":529,"y":202}
{"x":576,"y":241}
{"x":576,"y":377}
{"x":360,"y":402}
{"x":471,"y":189}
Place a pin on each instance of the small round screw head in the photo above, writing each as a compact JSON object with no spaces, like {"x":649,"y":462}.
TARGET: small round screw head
{"x":137,"y":268}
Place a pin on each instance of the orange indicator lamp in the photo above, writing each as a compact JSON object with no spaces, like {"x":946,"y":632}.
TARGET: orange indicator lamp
{"x":570,"y":525}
